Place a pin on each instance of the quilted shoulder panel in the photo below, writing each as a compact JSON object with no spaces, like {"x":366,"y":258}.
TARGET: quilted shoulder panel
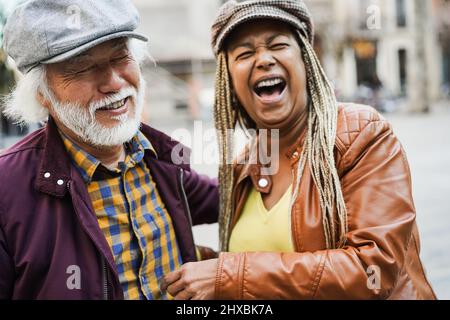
{"x":352,"y":119}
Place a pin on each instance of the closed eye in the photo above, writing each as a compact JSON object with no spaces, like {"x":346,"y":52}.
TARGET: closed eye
{"x":244,"y":55}
{"x":279,"y":46}
{"x":120,"y":59}
{"x":87,"y":69}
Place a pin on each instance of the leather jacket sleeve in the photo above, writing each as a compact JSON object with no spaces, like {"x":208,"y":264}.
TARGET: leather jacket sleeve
{"x":375,"y":179}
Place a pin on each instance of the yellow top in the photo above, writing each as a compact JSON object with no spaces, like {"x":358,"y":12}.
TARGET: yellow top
{"x":259,"y":229}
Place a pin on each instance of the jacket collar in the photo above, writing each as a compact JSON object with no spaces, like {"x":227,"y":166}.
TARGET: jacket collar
{"x":54,"y":170}
{"x":87,"y":164}
{"x":247,"y":164}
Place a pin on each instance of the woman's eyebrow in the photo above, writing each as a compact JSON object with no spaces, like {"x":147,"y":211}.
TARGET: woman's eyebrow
{"x":274,"y":36}
{"x":249,"y":45}
{"x":241,"y":44}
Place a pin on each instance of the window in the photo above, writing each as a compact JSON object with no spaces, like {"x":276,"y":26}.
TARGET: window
{"x":401,"y":13}
{"x":363,"y":6}
{"x":366,"y":62}
{"x":402,"y":63}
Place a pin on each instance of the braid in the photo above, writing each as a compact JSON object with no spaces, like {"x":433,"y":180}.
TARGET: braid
{"x":318,"y":150}
{"x":225,"y":119}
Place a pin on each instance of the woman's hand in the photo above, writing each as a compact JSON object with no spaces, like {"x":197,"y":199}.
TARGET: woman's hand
{"x":193,"y":281}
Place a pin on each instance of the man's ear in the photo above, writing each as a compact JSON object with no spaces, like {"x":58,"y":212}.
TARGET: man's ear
{"x":44,"y":102}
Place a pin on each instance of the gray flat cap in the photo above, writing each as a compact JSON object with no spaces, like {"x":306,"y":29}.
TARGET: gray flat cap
{"x":234,"y":13}
{"x":51,"y":31}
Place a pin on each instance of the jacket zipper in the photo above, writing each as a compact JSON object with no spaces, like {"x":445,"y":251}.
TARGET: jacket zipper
{"x":185,"y":202}
{"x":104,"y":270}
{"x":105,"y":280}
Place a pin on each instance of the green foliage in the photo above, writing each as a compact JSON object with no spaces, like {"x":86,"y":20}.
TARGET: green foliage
{"x":2,"y":20}
{"x":6,"y":75}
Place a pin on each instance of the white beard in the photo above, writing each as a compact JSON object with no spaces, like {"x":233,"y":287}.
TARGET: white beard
{"x":83,"y":123}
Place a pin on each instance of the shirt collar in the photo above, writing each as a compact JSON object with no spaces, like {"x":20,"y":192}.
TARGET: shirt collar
{"x":87,"y":164}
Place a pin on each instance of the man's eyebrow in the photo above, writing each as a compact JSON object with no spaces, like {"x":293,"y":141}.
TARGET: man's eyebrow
{"x":79,"y":58}
{"x":85,"y":56}
{"x":120,"y":44}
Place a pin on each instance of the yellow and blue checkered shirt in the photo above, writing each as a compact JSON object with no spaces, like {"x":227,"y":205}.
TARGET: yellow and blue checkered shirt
{"x":132,"y":217}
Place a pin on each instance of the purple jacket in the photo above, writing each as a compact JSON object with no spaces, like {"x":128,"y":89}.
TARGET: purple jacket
{"x":48,"y":229}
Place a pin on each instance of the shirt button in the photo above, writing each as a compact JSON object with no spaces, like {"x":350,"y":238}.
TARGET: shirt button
{"x":60,"y":182}
{"x":47,"y":175}
{"x":262,"y":183}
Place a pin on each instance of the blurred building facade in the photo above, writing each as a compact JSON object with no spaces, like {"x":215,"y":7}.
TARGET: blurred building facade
{"x":442,"y":14}
{"x":389,"y":44}
{"x":181,"y":84}
{"x":399,"y":46}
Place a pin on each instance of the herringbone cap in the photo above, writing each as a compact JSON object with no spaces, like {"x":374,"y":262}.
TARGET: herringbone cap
{"x":234,"y":13}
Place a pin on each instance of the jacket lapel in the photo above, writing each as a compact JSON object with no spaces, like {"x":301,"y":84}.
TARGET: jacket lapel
{"x":53,"y":174}
{"x":57,"y":175}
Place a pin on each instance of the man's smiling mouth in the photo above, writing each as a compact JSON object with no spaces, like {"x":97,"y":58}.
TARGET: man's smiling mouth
{"x":115,"y":105}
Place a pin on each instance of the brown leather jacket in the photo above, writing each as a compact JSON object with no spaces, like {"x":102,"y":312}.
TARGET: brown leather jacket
{"x":381,"y":259}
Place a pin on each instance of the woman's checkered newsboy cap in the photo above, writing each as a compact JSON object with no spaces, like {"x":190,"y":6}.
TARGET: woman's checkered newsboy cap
{"x":234,"y":13}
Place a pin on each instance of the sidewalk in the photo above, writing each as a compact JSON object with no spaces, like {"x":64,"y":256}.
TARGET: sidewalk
{"x":426,"y":139}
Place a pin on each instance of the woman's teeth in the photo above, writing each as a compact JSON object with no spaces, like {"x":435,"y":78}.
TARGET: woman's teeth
{"x":269,"y":83}
{"x":270,"y":87}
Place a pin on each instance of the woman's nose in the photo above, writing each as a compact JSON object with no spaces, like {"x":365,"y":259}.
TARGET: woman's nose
{"x":264,"y":59}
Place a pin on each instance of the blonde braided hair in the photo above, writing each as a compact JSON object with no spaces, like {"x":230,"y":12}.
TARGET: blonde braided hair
{"x":225,"y":119}
{"x":317,"y":150}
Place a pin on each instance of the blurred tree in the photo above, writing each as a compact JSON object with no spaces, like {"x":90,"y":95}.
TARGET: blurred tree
{"x":7,"y":79}
{"x":6,"y":75}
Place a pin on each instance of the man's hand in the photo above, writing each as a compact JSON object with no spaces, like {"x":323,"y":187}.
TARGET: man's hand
{"x":193,"y":281}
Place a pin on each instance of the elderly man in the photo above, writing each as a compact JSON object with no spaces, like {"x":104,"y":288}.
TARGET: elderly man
{"x":94,"y":205}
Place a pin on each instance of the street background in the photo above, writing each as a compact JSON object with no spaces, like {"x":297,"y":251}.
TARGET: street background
{"x":391,"y":54}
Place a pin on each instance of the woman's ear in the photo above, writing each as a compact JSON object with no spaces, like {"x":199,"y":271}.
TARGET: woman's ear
{"x":234,"y":99}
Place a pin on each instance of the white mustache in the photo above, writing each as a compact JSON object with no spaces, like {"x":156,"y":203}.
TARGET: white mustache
{"x":113,"y":98}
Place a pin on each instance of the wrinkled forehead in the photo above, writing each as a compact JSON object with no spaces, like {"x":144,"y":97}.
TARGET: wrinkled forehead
{"x":99,"y":51}
{"x":256,"y":28}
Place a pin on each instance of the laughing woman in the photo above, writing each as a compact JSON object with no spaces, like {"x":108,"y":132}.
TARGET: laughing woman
{"x":337,"y":219}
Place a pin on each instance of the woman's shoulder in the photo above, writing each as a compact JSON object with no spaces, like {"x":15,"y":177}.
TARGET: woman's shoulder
{"x":356,"y":121}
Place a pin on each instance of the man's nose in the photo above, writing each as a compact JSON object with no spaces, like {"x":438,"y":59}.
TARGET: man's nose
{"x":111,"y":81}
{"x":264,"y":59}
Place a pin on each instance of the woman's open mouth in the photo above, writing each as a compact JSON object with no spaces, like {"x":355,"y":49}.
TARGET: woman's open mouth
{"x":270,"y":90}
